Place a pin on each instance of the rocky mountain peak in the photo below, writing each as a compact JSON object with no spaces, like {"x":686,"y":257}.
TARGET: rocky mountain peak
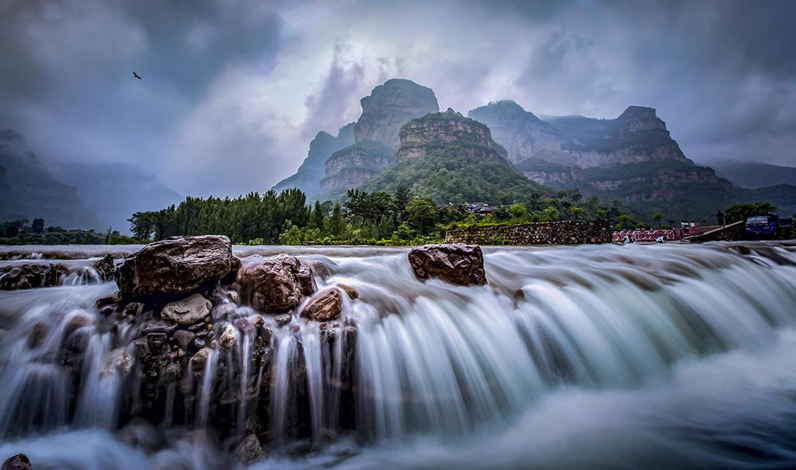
{"x":640,"y":118}
{"x":389,"y":106}
{"x":432,"y":130}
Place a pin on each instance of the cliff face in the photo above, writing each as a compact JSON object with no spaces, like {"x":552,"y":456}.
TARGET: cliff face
{"x":453,"y":159}
{"x":308,"y":176}
{"x":28,"y":190}
{"x":389,"y":107}
{"x":426,"y":134}
{"x":636,"y":136}
{"x":353,"y":165}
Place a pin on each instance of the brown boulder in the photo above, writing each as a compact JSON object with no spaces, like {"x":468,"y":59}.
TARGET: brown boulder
{"x":105,"y":267}
{"x":31,"y":276}
{"x":325,"y":306}
{"x":276,"y":284}
{"x":457,"y":263}
{"x":17,"y":462}
{"x":176,"y":265}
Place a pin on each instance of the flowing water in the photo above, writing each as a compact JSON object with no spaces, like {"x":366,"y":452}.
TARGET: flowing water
{"x":666,"y":356}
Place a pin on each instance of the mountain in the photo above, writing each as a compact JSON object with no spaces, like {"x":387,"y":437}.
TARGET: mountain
{"x":389,"y":106}
{"x":754,"y":175}
{"x":632,"y":158}
{"x":113,"y":191}
{"x":453,"y":159}
{"x":307,"y":178}
{"x":349,"y":167}
{"x":28,"y":190}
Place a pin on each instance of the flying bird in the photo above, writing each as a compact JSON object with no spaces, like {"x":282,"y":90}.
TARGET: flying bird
{"x":136,"y":75}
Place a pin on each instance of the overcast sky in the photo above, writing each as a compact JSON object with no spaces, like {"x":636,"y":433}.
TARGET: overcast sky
{"x":233,"y":91}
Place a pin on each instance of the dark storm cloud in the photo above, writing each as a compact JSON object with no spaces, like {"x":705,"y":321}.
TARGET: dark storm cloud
{"x":233,"y":91}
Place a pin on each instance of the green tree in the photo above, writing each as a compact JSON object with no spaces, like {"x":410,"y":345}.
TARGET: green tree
{"x":551,"y":213}
{"x":576,"y":212}
{"x":739,"y":212}
{"x":657,"y":218}
{"x":518,"y":211}
{"x":337,"y":222}
{"x":422,"y":214}
{"x":37,"y":226}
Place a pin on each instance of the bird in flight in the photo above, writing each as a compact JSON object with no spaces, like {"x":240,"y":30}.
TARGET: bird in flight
{"x":136,"y":75}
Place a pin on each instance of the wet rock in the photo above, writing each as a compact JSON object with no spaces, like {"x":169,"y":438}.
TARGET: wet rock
{"x":18,"y":462}
{"x":319,"y":268}
{"x":105,"y":301}
{"x":456,"y":263}
{"x":282,"y":320}
{"x":276,"y":284}
{"x":187,"y":311}
{"x":159,"y":326}
{"x":119,"y":362}
{"x":31,"y":276}
{"x":77,"y":321}
{"x":325,"y":306}
{"x":141,"y":347}
{"x":176,"y":265}
{"x":105,"y":267}
{"x":199,"y":360}
{"x":250,"y":451}
{"x":229,"y":337}
{"x":37,"y":335}
{"x":157,"y":342}
{"x":352,"y":293}
{"x":133,"y":308}
{"x":184,"y":338}
{"x":233,"y":272}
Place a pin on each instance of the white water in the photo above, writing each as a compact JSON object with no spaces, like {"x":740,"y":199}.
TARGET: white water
{"x":606,"y":356}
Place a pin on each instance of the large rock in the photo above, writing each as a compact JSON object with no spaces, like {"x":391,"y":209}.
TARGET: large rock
{"x":105,"y":267}
{"x":457,"y":263}
{"x":187,"y":311}
{"x":250,"y":451}
{"x":31,"y":276}
{"x":276,"y":284}
{"x":325,"y":306}
{"x":176,"y":265}
{"x":17,"y":462}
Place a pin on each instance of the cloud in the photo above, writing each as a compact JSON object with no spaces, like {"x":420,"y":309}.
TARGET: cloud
{"x":234,"y":90}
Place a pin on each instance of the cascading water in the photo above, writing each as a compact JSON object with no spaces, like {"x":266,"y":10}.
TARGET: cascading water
{"x":599,"y":356}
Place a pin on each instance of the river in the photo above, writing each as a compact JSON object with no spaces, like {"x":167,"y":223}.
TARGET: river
{"x":664,"y":356}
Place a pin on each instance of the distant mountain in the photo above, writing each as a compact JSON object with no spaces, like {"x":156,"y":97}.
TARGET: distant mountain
{"x":28,"y":190}
{"x":311,"y":171}
{"x":754,"y":175}
{"x":453,"y":159}
{"x":113,"y":191}
{"x":349,"y":167}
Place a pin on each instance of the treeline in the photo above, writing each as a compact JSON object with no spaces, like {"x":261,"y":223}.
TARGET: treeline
{"x":380,"y":217}
{"x":25,"y":232}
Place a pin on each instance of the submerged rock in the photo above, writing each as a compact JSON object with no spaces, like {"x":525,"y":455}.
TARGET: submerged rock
{"x":250,"y":451}
{"x":187,"y":311}
{"x":325,"y":306}
{"x":176,"y":265}
{"x":105,"y":267}
{"x":275,"y":285}
{"x":229,"y":336}
{"x":31,"y":276}
{"x":457,"y":263}
{"x":17,"y":462}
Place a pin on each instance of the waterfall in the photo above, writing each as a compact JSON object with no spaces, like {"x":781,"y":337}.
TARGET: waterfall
{"x":411,"y":360}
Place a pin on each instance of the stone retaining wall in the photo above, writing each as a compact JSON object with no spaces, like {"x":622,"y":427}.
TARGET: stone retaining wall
{"x":567,"y":232}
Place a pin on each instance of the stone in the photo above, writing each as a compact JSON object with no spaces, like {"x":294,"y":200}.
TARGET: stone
{"x":17,"y":462}
{"x":159,"y":326}
{"x":37,"y":334}
{"x":176,"y":265}
{"x":352,"y":293}
{"x":187,"y":311}
{"x":275,"y":285}
{"x":119,"y":362}
{"x":105,"y":267}
{"x":233,"y":271}
{"x":282,"y":320}
{"x":31,"y":276}
{"x":184,"y":338}
{"x":539,"y":233}
{"x":199,"y":360}
{"x":325,"y":306}
{"x":157,"y":342}
{"x":229,"y":336}
{"x":105,"y":301}
{"x":250,"y":451}
{"x":457,"y":263}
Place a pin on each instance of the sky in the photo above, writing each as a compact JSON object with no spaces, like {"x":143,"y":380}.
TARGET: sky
{"x":232,"y":91}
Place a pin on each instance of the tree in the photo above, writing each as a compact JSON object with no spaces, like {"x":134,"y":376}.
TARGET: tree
{"x":336,"y":223}
{"x":37,"y":226}
{"x":402,"y":197}
{"x":624,"y":221}
{"x":657,"y":217}
{"x":576,"y":212}
{"x":518,"y":211}
{"x":551,"y":213}
{"x":602,"y":214}
{"x":422,"y":214}
{"x":739,"y":212}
